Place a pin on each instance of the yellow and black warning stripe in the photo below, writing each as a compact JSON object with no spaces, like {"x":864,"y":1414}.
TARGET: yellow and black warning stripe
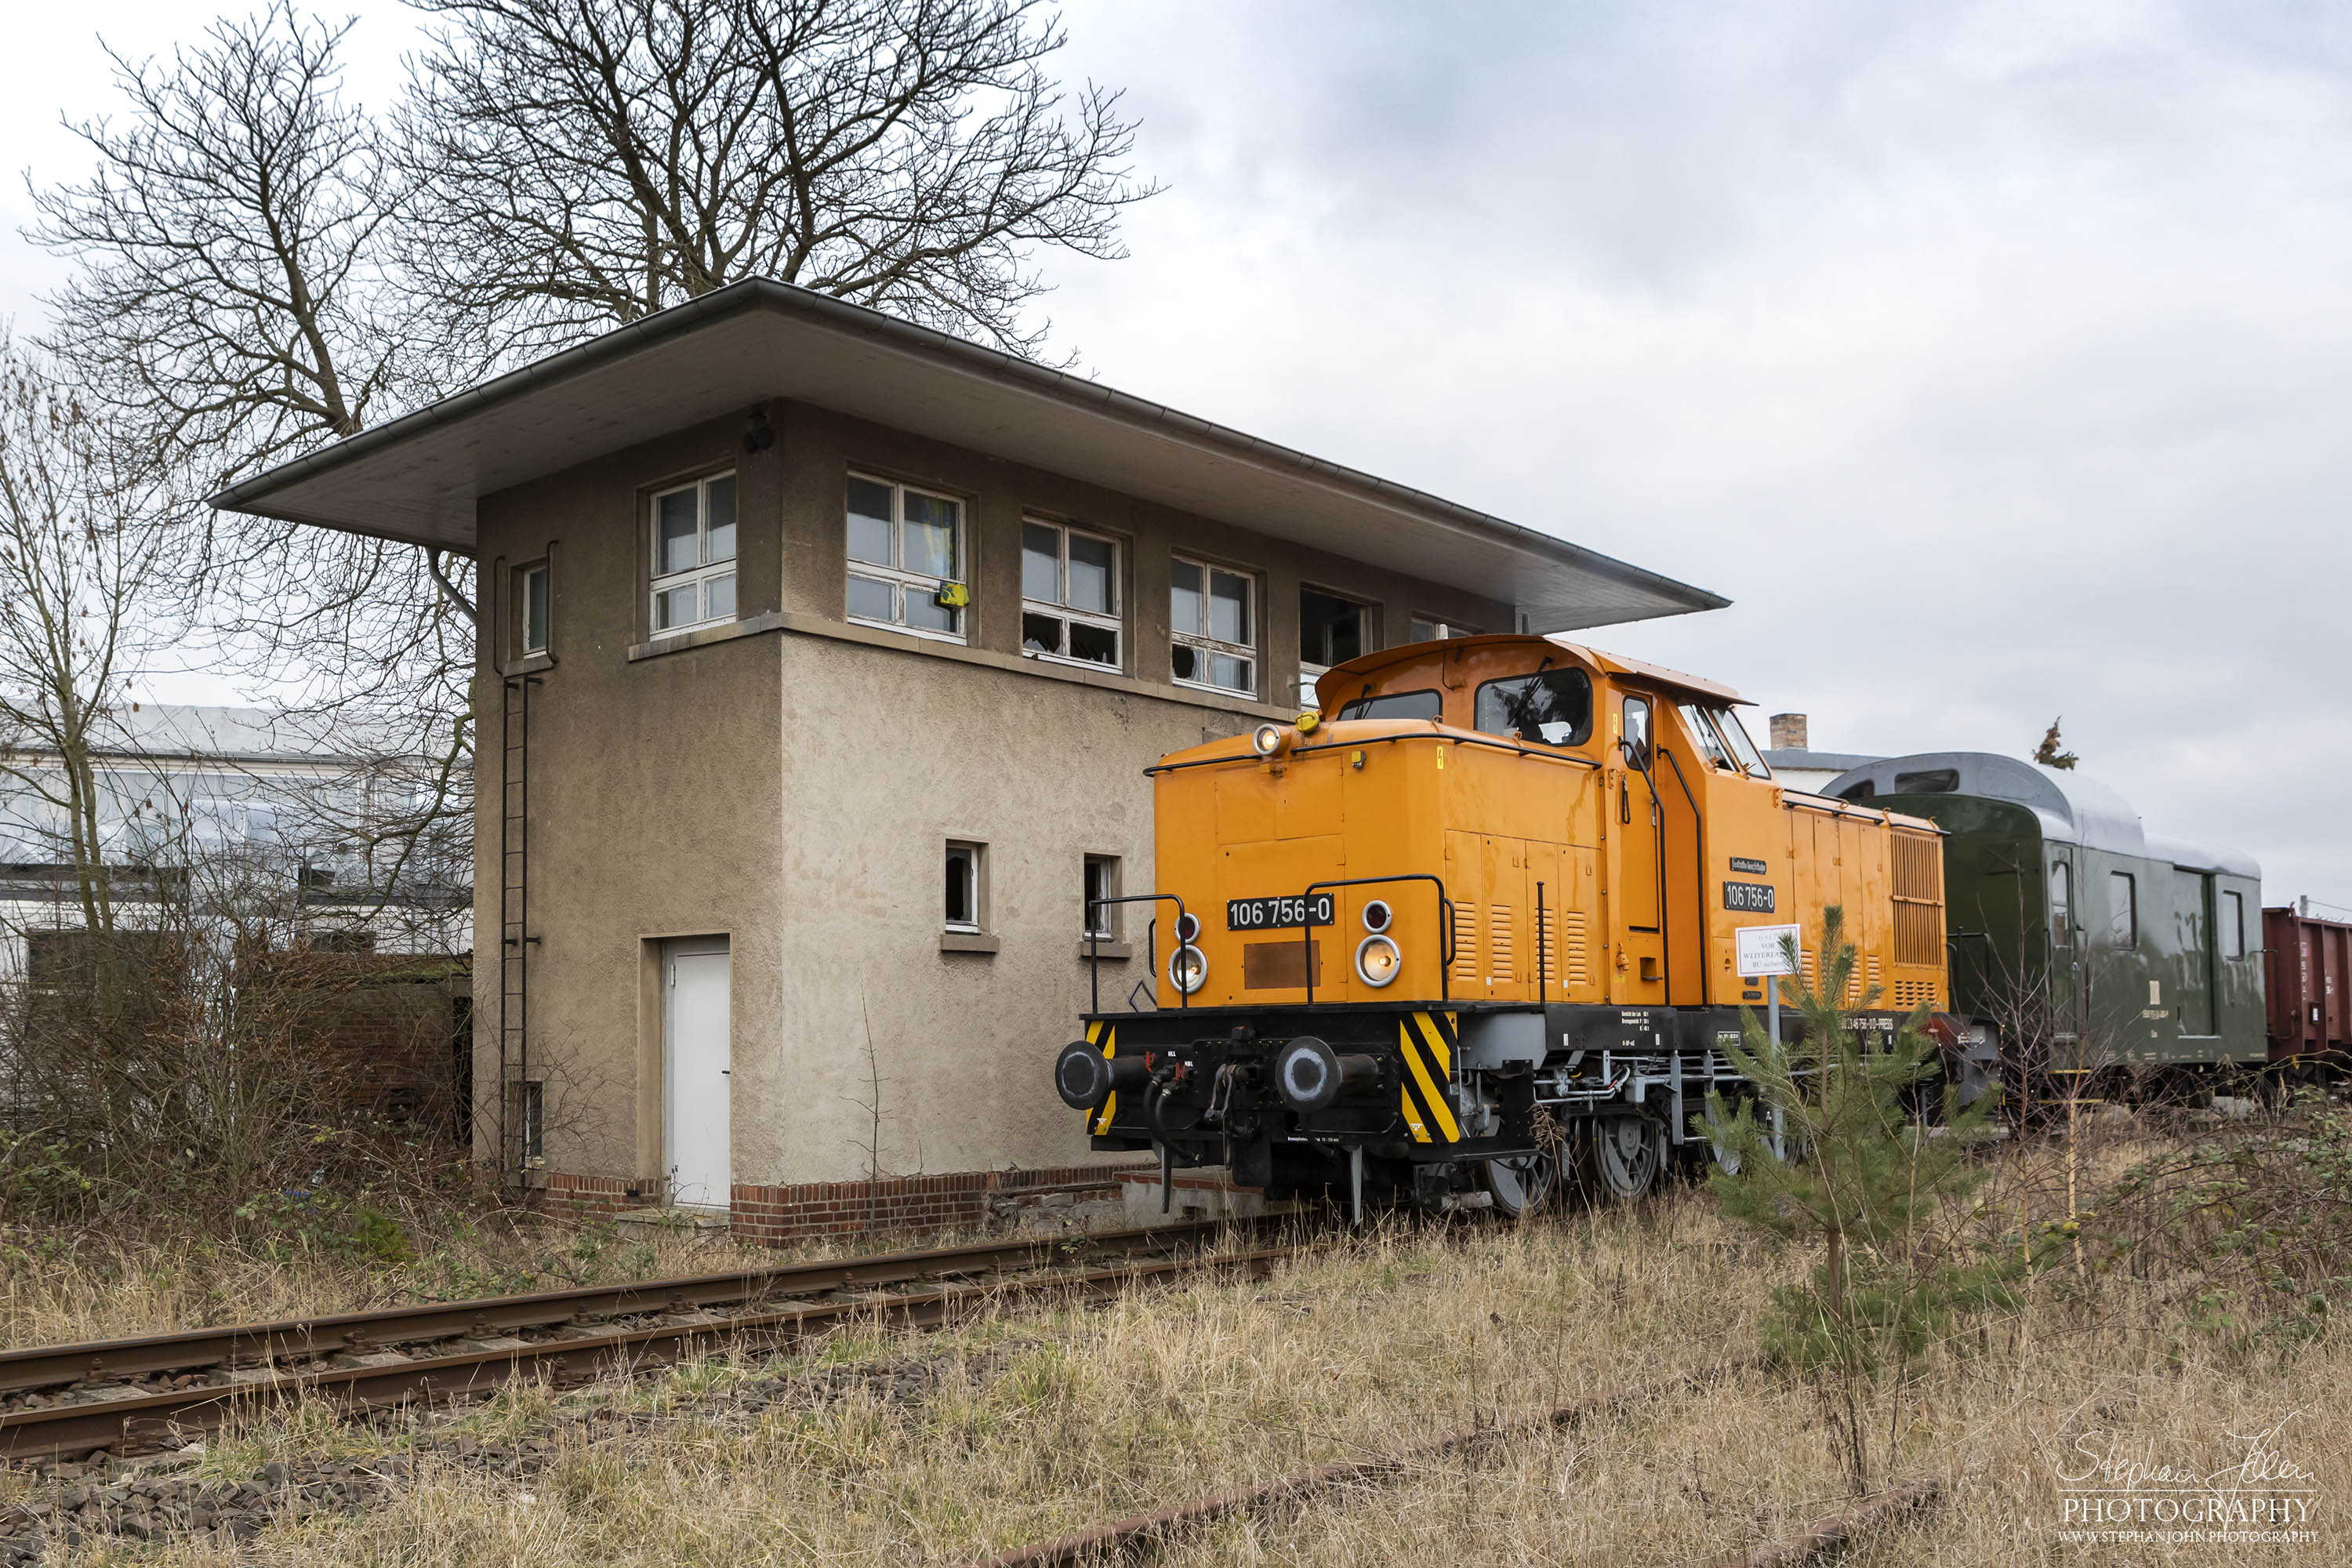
{"x":1107,"y":1037}
{"x":1428,"y":1042}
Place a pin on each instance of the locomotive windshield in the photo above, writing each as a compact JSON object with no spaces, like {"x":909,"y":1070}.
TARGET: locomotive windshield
{"x":1395,"y":705}
{"x":1726,"y":746}
{"x":1549,"y":708}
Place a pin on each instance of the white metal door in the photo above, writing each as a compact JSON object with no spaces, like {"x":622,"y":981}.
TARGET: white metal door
{"x":696,"y":1057}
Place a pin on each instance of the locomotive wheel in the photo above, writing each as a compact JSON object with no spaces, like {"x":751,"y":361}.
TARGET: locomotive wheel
{"x":1522,"y":1182}
{"x":1626,"y":1156}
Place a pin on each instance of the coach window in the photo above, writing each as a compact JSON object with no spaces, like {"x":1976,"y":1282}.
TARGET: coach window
{"x":1213,"y":632}
{"x":2062,"y":903}
{"x":2123,"y":910}
{"x":1331,"y":630}
{"x":694,"y":554}
{"x":905,"y":559}
{"x":1069,"y":594}
{"x":2233,"y":925}
{"x":1549,"y":708}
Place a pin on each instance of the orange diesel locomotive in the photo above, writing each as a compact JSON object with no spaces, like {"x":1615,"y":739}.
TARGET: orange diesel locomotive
{"x":1479,"y":921}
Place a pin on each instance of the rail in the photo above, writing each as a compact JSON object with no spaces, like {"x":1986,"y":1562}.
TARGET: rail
{"x":118,"y":1394}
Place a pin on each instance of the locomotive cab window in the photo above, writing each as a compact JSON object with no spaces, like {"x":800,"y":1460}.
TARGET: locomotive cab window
{"x":1710,"y":744}
{"x":1395,"y":705}
{"x":1549,"y":708}
{"x":2123,"y":910}
{"x":1637,"y":732}
{"x":1736,"y":734}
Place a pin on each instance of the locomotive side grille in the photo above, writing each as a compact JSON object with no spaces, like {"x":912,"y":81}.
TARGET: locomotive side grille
{"x":1910,"y":994}
{"x":1874,"y":982}
{"x":1466,"y":945}
{"x":1499,"y":944}
{"x":1918,"y":869}
{"x":1573,"y":967}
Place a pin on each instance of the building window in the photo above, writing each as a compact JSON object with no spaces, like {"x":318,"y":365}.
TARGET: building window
{"x":534,"y":1123}
{"x":2233,"y":925}
{"x":1215,"y":643}
{"x":1069,"y":594}
{"x":1101,"y":919}
{"x":1425,"y":630}
{"x":2062,"y":903}
{"x":1331,"y":630}
{"x":694,"y":554}
{"x":534,"y":609}
{"x":963,"y":886}
{"x":905,"y":559}
{"x":2123,"y":910}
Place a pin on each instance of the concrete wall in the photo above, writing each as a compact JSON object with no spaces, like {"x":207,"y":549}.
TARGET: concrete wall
{"x":791,"y":781}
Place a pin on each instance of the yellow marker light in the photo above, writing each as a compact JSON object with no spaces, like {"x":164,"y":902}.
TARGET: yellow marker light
{"x":1356,"y":758}
{"x":1309,"y":720}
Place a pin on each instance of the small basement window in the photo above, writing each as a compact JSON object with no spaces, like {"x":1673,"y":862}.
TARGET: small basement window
{"x":963,"y":886}
{"x":905,"y":558}
{"x":694,"y":554}
{"x":1099,"y":919}
{"x":1069,"y":594}
{"x":1213,"y":632}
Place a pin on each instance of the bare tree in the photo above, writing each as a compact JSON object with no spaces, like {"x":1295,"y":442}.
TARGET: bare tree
{"x":237,"y":304}
{"x":584,"y":163}
{"x":81,"y":543}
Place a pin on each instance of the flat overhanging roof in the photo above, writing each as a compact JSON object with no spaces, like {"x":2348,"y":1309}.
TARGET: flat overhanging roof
{"x":417,"y":478}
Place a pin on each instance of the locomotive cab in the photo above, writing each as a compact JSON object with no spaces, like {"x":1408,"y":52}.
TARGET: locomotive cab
{"x":1473,"y":917}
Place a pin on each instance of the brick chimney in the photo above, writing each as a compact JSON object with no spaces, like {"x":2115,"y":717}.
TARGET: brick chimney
{"x":1788,"y":732}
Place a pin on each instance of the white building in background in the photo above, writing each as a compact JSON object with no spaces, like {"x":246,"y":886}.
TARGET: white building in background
{"x":238,"y":807}
{"x":1795,"y":765}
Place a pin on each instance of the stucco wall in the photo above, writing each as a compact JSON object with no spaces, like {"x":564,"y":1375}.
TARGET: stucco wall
{"x":791,"y":781}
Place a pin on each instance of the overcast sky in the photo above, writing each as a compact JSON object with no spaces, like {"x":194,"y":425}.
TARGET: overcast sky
{"x":1996,"y":359}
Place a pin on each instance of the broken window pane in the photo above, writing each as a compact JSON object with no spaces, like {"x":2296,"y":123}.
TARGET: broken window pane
{"x":1096,"y":645}
{"x":1041,"y":633}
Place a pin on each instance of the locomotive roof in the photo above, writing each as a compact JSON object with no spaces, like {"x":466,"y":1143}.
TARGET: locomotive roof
{"x":1608,"y":663}
{"x":2073,"y":809}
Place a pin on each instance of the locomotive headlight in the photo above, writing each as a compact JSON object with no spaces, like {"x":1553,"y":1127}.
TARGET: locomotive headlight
{"x":1377,"y":916}
{"x":1188,"y":969}
{"x":1266,"y":740}
{"x":1378,"y":960}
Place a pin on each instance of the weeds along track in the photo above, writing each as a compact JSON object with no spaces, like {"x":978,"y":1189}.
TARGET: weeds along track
{"x":139,"y":1394}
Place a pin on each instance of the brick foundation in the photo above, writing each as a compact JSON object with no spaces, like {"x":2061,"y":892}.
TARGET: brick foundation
{"x":593,"y":1197}
{"x":965,"y":1200}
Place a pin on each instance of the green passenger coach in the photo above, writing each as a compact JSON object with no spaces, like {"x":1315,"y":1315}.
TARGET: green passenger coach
{"x":2084,"y":941}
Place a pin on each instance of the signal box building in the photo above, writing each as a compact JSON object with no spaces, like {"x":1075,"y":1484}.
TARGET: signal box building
{"x":821,"y":659}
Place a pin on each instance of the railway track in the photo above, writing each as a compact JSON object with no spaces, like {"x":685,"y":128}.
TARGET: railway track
{"x":133,"y":1395}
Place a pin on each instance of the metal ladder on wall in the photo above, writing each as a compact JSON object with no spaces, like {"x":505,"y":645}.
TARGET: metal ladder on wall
{"x":514,"y":934}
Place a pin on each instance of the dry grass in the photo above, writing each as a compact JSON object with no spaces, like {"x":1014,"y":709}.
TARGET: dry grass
{"x":105,"y":1287}
{"x":1026,"y":1425}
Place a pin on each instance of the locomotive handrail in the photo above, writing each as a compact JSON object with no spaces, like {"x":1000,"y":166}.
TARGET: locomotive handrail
{"x":1641,"y":760}
{"x":1455,"y":737}
{"x":1151,"y":950}
{"x":1444,"y":926}
{"x":1698,"y":857}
